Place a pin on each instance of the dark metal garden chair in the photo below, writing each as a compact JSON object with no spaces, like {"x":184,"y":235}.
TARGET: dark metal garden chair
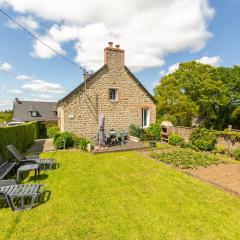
{"x":20,"y":196}
{"x":113,"y":137}
{"x":6,"y":167}
{"x":44,"y":163}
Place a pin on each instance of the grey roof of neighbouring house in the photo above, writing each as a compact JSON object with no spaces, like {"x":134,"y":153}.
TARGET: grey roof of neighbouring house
{"x":45,"y":110}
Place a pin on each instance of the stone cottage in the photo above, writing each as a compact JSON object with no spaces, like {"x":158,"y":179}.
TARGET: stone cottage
{"x":112,"y":90}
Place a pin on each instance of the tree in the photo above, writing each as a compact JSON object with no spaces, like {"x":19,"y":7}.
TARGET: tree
{"x":201,"y":90}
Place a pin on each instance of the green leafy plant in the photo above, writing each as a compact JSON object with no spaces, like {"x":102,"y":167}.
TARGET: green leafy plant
{"x":63,"y":140}
{"x":204,"y":139}
{"x":186,"y":158}
{"x":136,"y":131}
{"x":154,"y":131}
{"x":81,"y":143}
{"x":67,"y":140}
{"x":175,"y":140}
{"x":237,"y":153}
{"x":221,"y":150}
{"x":52,"y":131}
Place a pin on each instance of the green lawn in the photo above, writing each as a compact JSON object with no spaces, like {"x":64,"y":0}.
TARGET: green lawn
{"x":123,"y":196}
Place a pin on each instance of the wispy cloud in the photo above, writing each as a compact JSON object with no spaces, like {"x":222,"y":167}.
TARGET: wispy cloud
{"x":42,"y":86}
{"x":26,"y":21}
{"x":14,"y":92}
{"x":5,"y":66}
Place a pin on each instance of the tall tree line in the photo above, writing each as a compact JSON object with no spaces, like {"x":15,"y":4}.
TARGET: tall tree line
{"x":200,"y":91}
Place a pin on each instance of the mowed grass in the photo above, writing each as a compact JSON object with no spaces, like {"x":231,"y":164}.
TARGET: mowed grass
{"x":123,"y":196}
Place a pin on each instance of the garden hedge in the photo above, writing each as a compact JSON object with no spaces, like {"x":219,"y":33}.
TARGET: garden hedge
{"x":21,"y":136}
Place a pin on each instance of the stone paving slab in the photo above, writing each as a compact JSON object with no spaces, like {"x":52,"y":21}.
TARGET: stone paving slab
{"x":41,"y":145}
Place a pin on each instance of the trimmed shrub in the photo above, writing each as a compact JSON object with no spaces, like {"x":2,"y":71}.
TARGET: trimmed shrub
{"x":52,"y":131}
{"x":67,"y":140}
{"x":21,"y":136}
{"x":43,"y":126}
{"x":204,"y":139}
{"x":237,"y":153}
{"x":175,"y":140}
{"x":63,"y":140}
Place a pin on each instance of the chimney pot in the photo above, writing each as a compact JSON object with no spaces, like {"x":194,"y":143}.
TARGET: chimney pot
{"x":110,"y":44}
{"x":117,"y":46}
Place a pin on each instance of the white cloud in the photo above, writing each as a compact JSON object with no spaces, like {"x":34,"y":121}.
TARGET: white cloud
{"x":41,"y":51}
{"x":4,"y":102}
{"x":147,"y":30}
{"x":15,"y":91}
{"x":44,"y":96}
{"x":43,"y":87}
{"x":2,"y":88}
{"x":6,"y":66}
{"x":23,"y":77}
{"x":213,"y":61}
{"x":173,"y":68}
{"x":26,"y":21}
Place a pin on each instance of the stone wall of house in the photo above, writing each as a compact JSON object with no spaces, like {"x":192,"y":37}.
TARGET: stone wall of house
{"x":81,"y":109}
{"x":222,"y":141}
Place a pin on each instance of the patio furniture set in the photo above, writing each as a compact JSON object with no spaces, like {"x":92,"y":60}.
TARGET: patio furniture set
{"x":113,"y":138}
{"x":22,"y":196}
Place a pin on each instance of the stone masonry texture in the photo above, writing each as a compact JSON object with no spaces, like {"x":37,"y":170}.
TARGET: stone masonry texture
{"x":79,"y":112}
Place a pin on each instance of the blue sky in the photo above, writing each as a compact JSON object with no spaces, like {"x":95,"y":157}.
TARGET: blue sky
{"x":155,"y":38}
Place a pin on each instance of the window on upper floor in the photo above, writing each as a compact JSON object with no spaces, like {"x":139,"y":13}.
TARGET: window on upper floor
{"x":113,"y":94}
{"x":34,"y":114}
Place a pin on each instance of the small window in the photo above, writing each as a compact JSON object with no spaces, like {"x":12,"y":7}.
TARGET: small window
{"x":113,"y":94}
{"x":34,"y":114}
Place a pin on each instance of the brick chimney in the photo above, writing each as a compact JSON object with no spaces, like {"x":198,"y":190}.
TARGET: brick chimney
{"x":113,"y":55}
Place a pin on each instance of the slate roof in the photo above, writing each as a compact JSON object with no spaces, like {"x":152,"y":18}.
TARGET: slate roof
{"x":45,"y":111}
{"x":100,"y":70}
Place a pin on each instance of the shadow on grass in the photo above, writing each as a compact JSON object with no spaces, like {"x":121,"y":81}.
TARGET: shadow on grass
{"x":41,"y":177}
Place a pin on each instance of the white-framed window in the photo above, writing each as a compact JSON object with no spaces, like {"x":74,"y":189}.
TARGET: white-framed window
{"x":34,"y":114}
{"x":113,"y":94}
{"x":145,"y":117}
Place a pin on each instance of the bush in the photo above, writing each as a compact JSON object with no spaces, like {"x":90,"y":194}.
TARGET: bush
{"x":237,"y":153}
{"x":153,"y":132}
{"x":204,"y":139}
{"x":176,"y":140}
{"x":81,"y":143}
{"x":63,"y":140}
{"x":136,"y":131}
{"x":66,"y":140}
{"x":221,"y":150}
{"x":52,"y":131}
{"x":21,"y":136}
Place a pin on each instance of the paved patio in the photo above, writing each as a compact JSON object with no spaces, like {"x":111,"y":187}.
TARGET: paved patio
{"x":128,"y":146}
{"x":41,"y":145}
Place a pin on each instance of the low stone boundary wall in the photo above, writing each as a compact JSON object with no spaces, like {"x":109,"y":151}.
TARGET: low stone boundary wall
{"x":222,"y":140}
